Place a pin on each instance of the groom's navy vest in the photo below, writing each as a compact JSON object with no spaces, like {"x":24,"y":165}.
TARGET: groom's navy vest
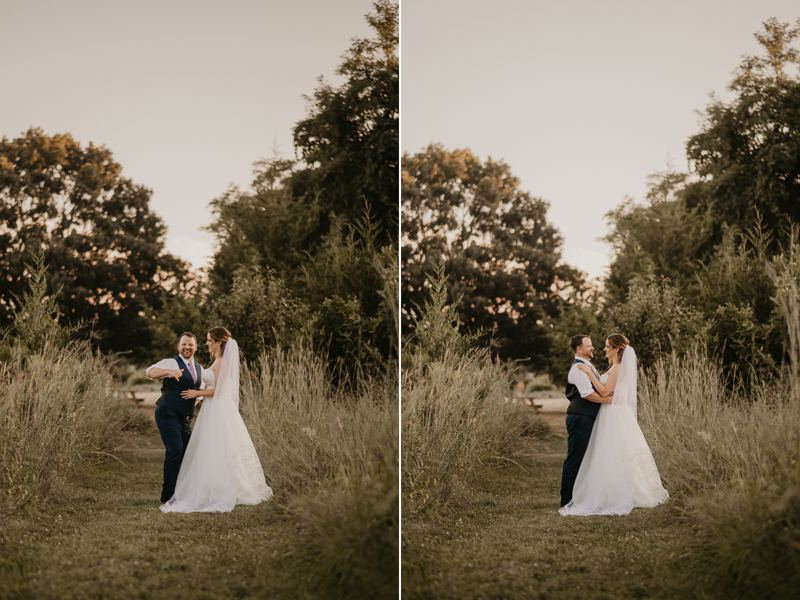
{"x":171,"y":390}
{"x":577,"y":404}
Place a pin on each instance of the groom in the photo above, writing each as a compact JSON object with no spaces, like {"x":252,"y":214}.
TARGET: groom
{"x":174,"y":413}
{"x":583,"y":406}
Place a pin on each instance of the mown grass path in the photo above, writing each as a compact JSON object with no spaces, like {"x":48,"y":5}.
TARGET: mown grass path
{"x":107,"y":538}
{"x":507,"y":540}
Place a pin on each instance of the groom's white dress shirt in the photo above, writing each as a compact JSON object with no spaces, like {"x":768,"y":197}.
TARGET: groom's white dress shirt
{"x":172,"y":364}
{"x":580,"y":379}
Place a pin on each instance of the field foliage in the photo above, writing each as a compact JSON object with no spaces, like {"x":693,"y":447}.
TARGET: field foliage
{"x":331,"y":457}
{"x":458,"y":415}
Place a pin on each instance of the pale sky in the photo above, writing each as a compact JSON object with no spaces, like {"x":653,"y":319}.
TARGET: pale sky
{"x":583,"y":99}
{"x":185,"y":94}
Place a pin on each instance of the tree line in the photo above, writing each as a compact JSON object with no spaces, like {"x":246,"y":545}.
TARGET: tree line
{"x":691,"y":266}
{"x":308,"y":253}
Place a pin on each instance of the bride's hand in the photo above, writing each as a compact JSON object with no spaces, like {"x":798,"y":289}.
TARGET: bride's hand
{"x":189,"y":394}
{"x":585,"y":369}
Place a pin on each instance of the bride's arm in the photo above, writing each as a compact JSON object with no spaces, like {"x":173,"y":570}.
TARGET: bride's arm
{"x":603,"y":390}
{"x":197,"y":393}
{"x":207,"y":393}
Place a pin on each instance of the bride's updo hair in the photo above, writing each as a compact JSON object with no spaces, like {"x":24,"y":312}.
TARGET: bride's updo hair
{"x":220,"y":334}
{"x":618,"y":342}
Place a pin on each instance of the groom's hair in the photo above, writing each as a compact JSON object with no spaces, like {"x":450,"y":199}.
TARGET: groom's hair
{"x":575,"y":341}
{"x":186,"y":334}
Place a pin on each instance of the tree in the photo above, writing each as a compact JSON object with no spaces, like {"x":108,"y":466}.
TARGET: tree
{"x":103,"y":245}
{"x":265,"y":228}
{"x":326,"y":225}
{"x":662,"y":238}
{"x":350,"y":139}
{"x":260,"y":313}
{"x":502,"y":256}
{"x":747,"y":155}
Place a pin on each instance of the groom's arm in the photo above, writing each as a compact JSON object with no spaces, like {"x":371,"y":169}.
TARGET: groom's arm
{"x":164,"y":368}
{"x":156,"y":373}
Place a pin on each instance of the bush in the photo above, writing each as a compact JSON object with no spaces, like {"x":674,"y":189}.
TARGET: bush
{"x":457,"y":413}
{"x":729,"y":459}
{"x":56,"y":404}
{"x":656,"y":320}
{"x":257,"y":311}
{"x":331,"y":457}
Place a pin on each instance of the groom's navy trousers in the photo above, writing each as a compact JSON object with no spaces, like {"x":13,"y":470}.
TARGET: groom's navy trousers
{"x":175,"y":433}
{"x":173,"y":419}
{"x":579,"y":430}
{"x":580,"y":421}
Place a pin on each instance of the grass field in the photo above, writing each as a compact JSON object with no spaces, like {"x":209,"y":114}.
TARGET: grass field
{"x":106,"y":538}
{"x":505,"y":539}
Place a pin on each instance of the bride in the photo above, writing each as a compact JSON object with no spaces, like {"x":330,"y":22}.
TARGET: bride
{"x":220,"y":468}
{"x":618,"y":472}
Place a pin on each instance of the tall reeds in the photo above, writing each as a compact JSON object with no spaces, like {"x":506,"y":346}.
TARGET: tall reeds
{"x":331,"y":457}
{"x":457,"y":415}
{"x":58,"y":409}
{"x":57,"y":412}
{"x":729,"y":455}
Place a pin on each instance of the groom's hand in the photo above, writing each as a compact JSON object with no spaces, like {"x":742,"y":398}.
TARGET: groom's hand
{"x":176,"y":373}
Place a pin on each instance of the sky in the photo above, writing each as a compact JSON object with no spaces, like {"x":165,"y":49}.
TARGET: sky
{"x":582,"y":99}
{"x":187,"y":95}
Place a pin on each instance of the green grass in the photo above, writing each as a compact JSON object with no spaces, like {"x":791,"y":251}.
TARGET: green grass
{"x":505,"y":539}
{"x":107,"y":538}
{"x":58,"y":414}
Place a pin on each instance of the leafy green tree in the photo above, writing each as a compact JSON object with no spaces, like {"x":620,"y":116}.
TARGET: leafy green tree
{"x":697,"y":229}
{"x":735,"y":294}
{"x":103,"y":245}
{"x":662,"y":238}
{"x":747,"y":155}
{"x":348,"y":286}
{"x":502,"y":256}
{"x":260,"y":313}
{"x":656,"y":320}
{"x":325,"y":225}
{"x":262,"y":228}
{"x":350,"y":139}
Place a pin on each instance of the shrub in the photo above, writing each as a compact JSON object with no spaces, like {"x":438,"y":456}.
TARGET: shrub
{"x":656,"y":320}
{"x":457,"y":414}
{"x":331,"y":456}
{"x":57,"y":408}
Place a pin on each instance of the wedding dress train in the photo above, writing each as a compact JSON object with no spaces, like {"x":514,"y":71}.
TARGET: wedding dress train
{"x":618,"y":472}
{"x":220,"y":468}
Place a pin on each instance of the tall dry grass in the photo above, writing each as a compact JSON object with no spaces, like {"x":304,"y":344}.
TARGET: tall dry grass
{"x":331,"y":457}
{"x":730,"y":458}
{"x":457,"y":417}
{"x":56,"y":414}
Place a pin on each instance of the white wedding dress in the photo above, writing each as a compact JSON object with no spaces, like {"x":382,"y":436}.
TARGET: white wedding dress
{"x":220,"y":468}
{"x":618,"y":472}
